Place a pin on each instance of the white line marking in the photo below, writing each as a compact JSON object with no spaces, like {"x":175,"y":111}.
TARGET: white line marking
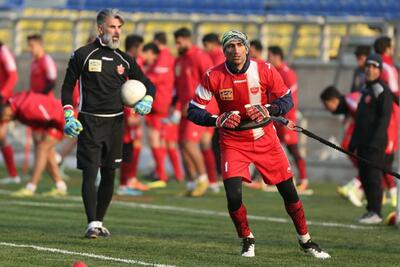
{"x":89,"y":255}
{"x":191,"y":211}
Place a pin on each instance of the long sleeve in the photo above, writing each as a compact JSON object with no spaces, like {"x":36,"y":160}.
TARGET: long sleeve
{"x":200,"y":116}
{"x":74,"y":69}
{"x":384,"y":110}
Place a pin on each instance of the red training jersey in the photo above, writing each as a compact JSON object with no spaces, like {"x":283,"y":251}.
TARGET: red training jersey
{"x":258,"y":85}
{"x":189,"y":69}
{"x":161,"y":73}
{"x":43,"y":72}
{"x":8,"y":72}
{"x":38,"y":110}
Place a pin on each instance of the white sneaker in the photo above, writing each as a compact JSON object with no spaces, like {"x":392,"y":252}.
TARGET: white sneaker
{"x":248,"y":247}
{"x":370,"y":218}
{"x":11,"y":180}
{"x":311,"y":248}
{"x":214,"y":187}
{"x":355,"y":196}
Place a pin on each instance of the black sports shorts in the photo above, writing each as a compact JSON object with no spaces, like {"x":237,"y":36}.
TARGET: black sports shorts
{"x":100,"y":142}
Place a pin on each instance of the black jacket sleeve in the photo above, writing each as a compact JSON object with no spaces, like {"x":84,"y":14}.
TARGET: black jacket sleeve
{"x":74,"y":69}
{"x":384,"y":110}
{"x":136,"y":73}
{"x":201,"y":116}
{"x":281,"y":106}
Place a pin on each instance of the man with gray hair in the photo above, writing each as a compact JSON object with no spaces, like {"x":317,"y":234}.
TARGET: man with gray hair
{"x":101,"y":69}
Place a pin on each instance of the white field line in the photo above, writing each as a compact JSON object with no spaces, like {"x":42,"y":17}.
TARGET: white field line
{"x":89,"y":255}
{"x":193,"y":211}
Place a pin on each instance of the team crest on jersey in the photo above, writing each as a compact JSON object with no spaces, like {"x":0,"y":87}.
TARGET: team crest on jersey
{"x":120,"y":69}
{"x":254,"y":90}
{"x":226,"y":94}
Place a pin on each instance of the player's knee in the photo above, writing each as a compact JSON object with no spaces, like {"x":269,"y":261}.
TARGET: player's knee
{"x":288,"y":191}
{"x":233,"y":189}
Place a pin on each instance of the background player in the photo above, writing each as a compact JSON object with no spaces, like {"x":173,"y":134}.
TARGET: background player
{"x":288,"y":137}
{"x":8,"y":80}
{"x":256,"y":49}
{"x":170,"y":130}
{"x":43,"y":68}
{"x":243,"y":88}
{"x":44,"y":113}
{"x":191,"y":63}
{"x":129,"y":183}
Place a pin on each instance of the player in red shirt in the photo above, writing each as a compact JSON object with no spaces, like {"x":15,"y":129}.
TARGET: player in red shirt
{"x":160,"y":72}
{"x":211,"y":154}
{"x":8,"y":80}
{"x":212,"y":45}
{"x":129,"y":183}
{"x":45,"y":113}
{"x":43,"y":68}
{"x":390,"y":75}
{"x":347,"y":104}
{"x":256,"y":49}
{"x":288,"y":137}
{"x":248,"y":90}
{"x":170,"y":130}
{"x":190,"y":65}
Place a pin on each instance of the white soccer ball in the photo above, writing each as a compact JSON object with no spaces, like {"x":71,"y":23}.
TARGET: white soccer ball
{"x":132,"y":91}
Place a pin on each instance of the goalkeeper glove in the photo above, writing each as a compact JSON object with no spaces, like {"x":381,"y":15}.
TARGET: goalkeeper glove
{"x":230,"y":119}
{"x":143,"y":107}
{"x":257,"y":112}
{"x":72,"y":126}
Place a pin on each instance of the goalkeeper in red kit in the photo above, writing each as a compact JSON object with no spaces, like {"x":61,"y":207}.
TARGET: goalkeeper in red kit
{"x":248,"y":90}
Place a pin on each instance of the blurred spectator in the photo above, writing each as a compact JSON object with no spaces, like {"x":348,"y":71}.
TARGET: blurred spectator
{"x":43,"y":68}
{"x":361,"y":53}
{"x":8,"y":80}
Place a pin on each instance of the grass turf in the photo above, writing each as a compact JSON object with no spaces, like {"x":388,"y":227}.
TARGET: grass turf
{"x":156,"y":234}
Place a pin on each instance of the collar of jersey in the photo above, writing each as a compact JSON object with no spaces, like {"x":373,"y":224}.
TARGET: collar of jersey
{"x":232,"y":68}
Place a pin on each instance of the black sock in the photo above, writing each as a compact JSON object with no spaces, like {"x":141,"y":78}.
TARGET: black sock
{"x":89,"y":194}
{"x":105,"y":192}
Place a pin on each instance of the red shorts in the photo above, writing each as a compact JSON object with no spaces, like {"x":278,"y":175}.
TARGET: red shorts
{"x":267,"y":155}
{"x":286,"y":136}
{"x":155,"y":120}
{"x":188,"y":131}
{"x":170,"y":132}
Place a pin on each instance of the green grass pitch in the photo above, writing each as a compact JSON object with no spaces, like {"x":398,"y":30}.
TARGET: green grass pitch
{"x":162,"y":228}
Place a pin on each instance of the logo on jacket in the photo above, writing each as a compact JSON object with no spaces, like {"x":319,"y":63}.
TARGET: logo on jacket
{"x":254,"y":90}
{"x":226,"y":94}
{"x":120,"y":69}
